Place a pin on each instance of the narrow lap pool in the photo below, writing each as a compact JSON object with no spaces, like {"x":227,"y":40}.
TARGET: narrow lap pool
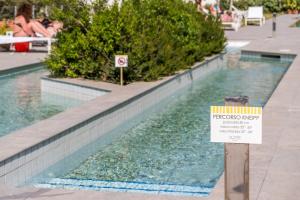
{"x":168,"y":151}
{"x":23,"y":103}
{"x":297,"y":24}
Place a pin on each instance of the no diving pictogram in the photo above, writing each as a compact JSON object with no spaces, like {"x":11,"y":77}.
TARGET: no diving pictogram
{"x":121,"y":61}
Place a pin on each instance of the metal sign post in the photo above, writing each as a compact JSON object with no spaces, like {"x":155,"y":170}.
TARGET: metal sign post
{"x":33,"y":11}
{"x":274,"y":25}
{"x":15,"y":11}
{"x":237,"y":125}
{"x":121,"y":75}
{"x":236,"y":162}
{"x":121,"y":61}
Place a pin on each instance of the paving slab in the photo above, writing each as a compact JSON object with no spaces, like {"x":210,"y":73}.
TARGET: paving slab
{"x":10,"y":60}
{"x":280,"y":186}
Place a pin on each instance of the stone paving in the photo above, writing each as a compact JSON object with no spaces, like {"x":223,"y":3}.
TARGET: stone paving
{"x":10,"y":60}
{"x":274,"y":165}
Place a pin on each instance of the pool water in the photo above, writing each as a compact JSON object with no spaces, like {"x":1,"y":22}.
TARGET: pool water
{"x":170,"y":150}
{"x":23,"y":103}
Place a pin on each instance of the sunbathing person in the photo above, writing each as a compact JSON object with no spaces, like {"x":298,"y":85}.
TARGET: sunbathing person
{"x":24,"y":26}
{"x":227,"y":17}
{"x":53,"y":27}
{"x":214,"y":9}
{"x":201,"y":7}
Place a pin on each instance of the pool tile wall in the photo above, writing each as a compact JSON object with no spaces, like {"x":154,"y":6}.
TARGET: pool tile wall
{"x":283,"y":57}
{"x":70,"y":90}
{"x":21,"y":167}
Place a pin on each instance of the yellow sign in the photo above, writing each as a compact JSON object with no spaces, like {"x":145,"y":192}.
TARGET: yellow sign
{"x":232,"y":124}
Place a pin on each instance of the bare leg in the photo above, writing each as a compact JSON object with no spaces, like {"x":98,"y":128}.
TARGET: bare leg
{"x":52,"y":31}
{"x":19,"y":32}
{"x":57,"y":25}
{"x":54,"y":28}
{"x":38,"y":28}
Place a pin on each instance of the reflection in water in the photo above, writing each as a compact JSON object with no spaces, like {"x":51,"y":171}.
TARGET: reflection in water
{"x":21,"y":102}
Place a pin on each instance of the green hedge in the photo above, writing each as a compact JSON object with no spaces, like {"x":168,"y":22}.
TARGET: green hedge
{"x":268,"y":5}
{"x":159,"y":37}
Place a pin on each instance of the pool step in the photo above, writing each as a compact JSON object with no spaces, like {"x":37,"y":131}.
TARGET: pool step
{"x":125,"y":186}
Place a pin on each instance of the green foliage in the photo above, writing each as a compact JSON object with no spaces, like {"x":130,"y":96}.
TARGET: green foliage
{"x":159,"y":37}
{"x":6,"y":10}
{"x":271,"y":6}
{"x":244,"y":4}
{"x":2,"y":30}
{"x":4,"y":27}
{"x":224,"y":4}
{"x":291,"y":4}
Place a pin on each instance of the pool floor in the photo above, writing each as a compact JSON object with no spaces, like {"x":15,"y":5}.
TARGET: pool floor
{"x":170,"y":151}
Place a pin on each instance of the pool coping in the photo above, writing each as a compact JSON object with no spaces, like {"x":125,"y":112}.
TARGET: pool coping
{"x":295,"y":24}
{"x":19,"y":68}
{"x":9,"y":60}
{"x":48,"y":78}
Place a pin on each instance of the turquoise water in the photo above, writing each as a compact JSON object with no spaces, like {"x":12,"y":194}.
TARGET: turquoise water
{"x":297,"y":24}
{"x":23,"y":103}
{"x":172,"y":147}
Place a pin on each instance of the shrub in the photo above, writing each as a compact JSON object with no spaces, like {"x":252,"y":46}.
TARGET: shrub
{"x":268,"y":5}
{"x":271,"y":6}
{"x":159,"y":37}
{"x":290,"y":4}
{"x":2,"y":29}
{"x":224,"y":4}
{"x":244,"y":4}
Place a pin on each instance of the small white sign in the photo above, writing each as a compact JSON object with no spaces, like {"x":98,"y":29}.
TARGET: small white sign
{"x":232,"y":124}
{"x":9,"y":33}
{"x":121,"y":61}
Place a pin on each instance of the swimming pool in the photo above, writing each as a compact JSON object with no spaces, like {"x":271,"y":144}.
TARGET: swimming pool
{"x":169,"y":151}
{"x":297,"y":24}
{"x":23,"y":103}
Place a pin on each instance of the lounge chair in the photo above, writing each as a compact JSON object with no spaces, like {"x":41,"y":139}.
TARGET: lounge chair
{"x":255,"y":14}
{"x":232,"y":21}
{"x":11,"y":40}
{"x":240,"y":13}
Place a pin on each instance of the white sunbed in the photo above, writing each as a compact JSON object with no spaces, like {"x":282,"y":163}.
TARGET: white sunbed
{"x":235,"y":24}
{"x":11,"y":40}
{"x":241,"y":13}
{"x":255,"y":14}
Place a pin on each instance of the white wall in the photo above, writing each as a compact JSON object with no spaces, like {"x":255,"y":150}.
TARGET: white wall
{"x":209,"y":1}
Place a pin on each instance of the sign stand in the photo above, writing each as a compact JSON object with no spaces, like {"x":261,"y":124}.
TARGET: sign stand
{"x":273,"y":25}
{"x":236,"y":162}
{"x":121,"y":76}
{"x":121,"y":61}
